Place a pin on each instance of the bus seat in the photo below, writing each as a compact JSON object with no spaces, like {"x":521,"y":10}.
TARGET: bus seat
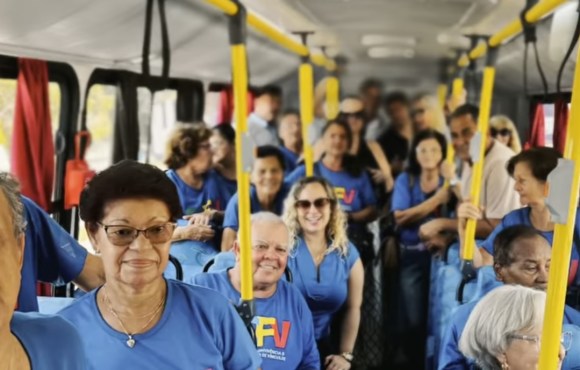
{"x":192,"y":255}
{"x":51,"y":305}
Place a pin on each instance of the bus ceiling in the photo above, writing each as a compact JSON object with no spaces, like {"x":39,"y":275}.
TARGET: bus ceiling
{"x":399,"y":41}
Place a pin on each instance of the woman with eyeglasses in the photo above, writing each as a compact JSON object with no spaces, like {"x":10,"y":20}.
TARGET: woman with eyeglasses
{"x":418,"y":197}
{"x":138,"y":319}
{"x":369,"y":153}
{"x":352,"y":184}
{"x":503,"y":130}
{"x":202,"y":194}
{"x":326,"y":267}
{"x":428,"y":113}
{"x":505,"y":328}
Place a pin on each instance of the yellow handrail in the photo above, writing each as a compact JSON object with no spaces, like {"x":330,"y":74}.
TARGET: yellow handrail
{"x":306,"y":81}
{"x":563,"y":241}
{"x":274,"y":34}
{"x":442,"y":94}
{"x":533,"y":15}
{"x":240,"y":83}
{"x":477,"y":170}
{"x":332,"y":97}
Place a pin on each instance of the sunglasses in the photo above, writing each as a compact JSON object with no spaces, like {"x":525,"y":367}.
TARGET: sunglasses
{"x":502,"y":132}
{"x":318,"y":203}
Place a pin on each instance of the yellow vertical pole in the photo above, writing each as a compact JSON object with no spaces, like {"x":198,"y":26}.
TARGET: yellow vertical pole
{"x":477,"y":170}
{"x":306,"y":77}
{"x":442,"y":94}
{"x":332,"y":97}
{"x":238,"y":34}
{"x":563,"y":240}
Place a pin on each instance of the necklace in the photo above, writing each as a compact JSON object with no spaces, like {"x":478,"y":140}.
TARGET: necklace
{"x":130,"y":340}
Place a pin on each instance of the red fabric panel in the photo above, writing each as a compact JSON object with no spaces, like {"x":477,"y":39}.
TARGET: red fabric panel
{"x":560,"y":124}
{"x":32,"y":151}
{"x":537,"y":135}
{"x":227,"y":106}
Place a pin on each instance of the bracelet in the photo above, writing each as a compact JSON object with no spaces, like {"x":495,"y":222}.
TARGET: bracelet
{"x":347,"y":356}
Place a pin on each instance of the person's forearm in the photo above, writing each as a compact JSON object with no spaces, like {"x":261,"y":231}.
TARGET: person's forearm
{"x":417,"y":213}
{"x":368,"y":214}
{"x":178,"y":234}
{"x":350,"y":325}
{"x":92,"y":275}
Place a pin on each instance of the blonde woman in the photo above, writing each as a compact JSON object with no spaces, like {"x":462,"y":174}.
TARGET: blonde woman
{"x":428,"y":113}
{"x":326,"y":267}
{"x":503,"y":130}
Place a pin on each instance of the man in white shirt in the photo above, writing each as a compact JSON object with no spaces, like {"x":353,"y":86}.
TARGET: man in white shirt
{"x":262,"y":125}
{"x":498,"y":196}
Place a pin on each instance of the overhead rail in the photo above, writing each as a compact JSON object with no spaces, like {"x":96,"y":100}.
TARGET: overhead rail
{"x":306,"y":87}
{"x":533,"y":15}
{"x":231,"y":8}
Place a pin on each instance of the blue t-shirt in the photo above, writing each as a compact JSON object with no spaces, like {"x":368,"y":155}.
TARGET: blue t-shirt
{"x":290,"y":159}
{"x":451,"y":358}
{"x":230,"y":186}
{"x":51,"y":255}
{"x":407,"y":194}
{"x":193,"y":200}
{"x":231,"y":215}
{"x":283,"y":324}
{"x":198,"y":329}
{"x":50,"y":342}
{"x":325,"y":289}
{"x":354,"y":193}
{"x":522,"y":217}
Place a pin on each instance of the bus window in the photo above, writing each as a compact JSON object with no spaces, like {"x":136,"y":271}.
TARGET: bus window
{"x":7,"y":106}
{"x":211,"y":109}
{"x":549,"y":125}
{"x":144,"y":116}
{"x":101,"y":125}
{"x":163,"y":121}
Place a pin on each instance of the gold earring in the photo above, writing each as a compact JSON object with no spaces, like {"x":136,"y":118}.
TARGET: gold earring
{"x":505,"y":366}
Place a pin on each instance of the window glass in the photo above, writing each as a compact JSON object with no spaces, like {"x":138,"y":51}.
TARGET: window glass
{"x":549,"y":125}
{"x":101,"y":125}
{"x":144,"y":117}
{"x":212,"y":107}
{"x":163,"y":120}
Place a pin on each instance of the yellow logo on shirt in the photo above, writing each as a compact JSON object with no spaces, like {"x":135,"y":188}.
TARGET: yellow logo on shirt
{"x":269,"y":327}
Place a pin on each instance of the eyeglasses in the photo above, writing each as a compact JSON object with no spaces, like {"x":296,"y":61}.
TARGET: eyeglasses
{"x":565,"y":340}
{"x":261,"y":248}
{"x":319,"y":203}
{"x":501,"y":132}
{"x":205,"y":146}
{"x":123,"y":235}
{"x":357,"y":115}
{"x":429,"y":151}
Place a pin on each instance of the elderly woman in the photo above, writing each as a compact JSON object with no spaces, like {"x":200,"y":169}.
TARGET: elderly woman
{"x":267,"y":193}
{"x":202,"y":194}
{"x":27,"y":339}
{"x":137,"y":319}
{"x":326,"y":266}
{"x":505,"y":328}
{"x":503,"y":130}
{"x":428,"y":113}
{"x":279,"y":305}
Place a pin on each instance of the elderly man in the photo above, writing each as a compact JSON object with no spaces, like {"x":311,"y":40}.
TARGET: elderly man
{"x":283,"y":322}
{"x":522,"y":257}
{"x":27,"y":339}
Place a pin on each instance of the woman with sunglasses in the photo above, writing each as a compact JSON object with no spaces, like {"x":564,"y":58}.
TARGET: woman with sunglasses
{"x":138,"y":319}
{"x":418,"y":196}
{"x":428,"y":113}
{"x":352,"y":184}
{"x":326,"y":267}
{"x":503,"y":130}
{"x":202,"y":193}
{"x":505,"y":328}
{"x":369,"y":153}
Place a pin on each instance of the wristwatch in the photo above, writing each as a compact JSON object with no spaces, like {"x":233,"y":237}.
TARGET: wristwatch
{"x":347,"y":356}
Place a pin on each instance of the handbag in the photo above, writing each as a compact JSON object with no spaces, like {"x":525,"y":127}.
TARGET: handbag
{"x":77,"y":173}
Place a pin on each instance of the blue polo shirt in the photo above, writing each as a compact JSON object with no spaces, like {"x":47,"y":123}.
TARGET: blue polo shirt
{"x":231,"y":215}
{"x":37,"y":334}
{"x":51,"y":255}
{"x":451,"y":358}
{"x":283,"y":324}
{"x":229,"y":186}
{"x":354,"y":193}
{"x":407,"y":194}
{"x":198,"y":329}
{"x":325,"y":288}
{"x":522,"y":217}
{"x":192,"y":200}
{"x":290,"y":159}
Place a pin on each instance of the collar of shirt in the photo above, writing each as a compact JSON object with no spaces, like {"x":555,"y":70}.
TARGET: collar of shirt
{"x":258,"y":120}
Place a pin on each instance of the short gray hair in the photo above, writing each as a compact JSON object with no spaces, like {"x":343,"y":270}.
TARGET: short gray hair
{"x":11,"y":190}
{"x":509,"y":309}
{"x":263,"y":216}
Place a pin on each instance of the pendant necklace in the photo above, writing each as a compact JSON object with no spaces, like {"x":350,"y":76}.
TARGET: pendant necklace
{"x":130,"y":336}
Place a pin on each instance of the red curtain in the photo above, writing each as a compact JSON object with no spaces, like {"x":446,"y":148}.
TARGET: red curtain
{"x":32,"y":149}
{"x":560,"y":124}
{"x":226,"y":108}
{"x":536,"y":136}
